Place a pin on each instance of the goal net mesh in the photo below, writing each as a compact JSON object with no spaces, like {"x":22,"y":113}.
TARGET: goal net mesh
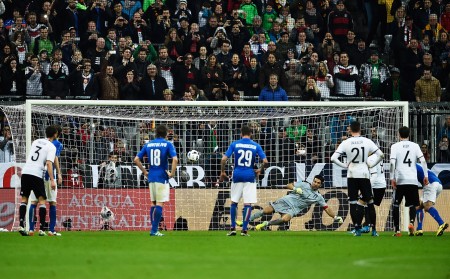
{"x":101,"y":140}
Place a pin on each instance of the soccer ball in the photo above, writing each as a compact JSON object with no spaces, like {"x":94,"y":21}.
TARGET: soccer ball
{"x":193,"y":156}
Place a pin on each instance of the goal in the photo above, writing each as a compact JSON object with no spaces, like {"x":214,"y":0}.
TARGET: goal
{"x":101,"y":139}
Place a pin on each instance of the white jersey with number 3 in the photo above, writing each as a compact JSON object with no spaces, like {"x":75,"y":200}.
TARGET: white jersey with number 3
{"x":42,"y":150}
{"x":357,"y":150}
{"x":405,"y":154}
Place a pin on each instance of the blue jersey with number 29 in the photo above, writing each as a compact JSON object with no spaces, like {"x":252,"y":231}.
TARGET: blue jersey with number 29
{"x":158,"y":151}
{"x":244,"y":151}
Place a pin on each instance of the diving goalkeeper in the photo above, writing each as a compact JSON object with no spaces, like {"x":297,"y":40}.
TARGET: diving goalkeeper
{"x":303,"y":195}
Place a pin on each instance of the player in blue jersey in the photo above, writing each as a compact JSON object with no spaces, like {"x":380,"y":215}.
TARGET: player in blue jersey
{"x":244,"y":176}
{"x":158,"y":152}
{"x":302,"y":196}
{"x":430,"y":193}
{"x":51,"y":194}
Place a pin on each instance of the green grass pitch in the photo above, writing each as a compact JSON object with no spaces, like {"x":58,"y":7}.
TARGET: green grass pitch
{"x":114,"y":254}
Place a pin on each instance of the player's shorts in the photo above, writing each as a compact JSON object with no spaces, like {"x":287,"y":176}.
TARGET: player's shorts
{"x":159,"y":192}
{"x":33,"y":183}
{"x":410,"y":192}
{"x":359,"y":188}
{"x":245,"y":190}
{"x":49,"y":192}
{"x":431,"y":192}
{"x":378,"y":195}
{"x":282,"y":207}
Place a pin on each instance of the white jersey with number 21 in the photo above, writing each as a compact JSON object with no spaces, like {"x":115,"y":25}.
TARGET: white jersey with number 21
{"x":357,"y":150}
{"x":42,"y":150}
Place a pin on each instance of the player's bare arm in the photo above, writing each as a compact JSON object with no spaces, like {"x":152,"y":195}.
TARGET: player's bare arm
{"x":263,"y":167}
{"x":58,"y":170}
{"x":223,"y":174}
{"x":174,"y":167}
{"x":138,"y":163}
{"x":50,"y":173}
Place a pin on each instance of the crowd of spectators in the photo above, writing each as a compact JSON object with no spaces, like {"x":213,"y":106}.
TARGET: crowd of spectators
{"x":219,"y":49}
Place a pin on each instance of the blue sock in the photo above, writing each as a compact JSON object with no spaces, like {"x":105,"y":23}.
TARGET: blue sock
{"x":435,"y":214}
{"x":419,"y":214}
{"x":152,"y":211}
{"x":156,"y":218}
{"x":52,"y":218}
{"x":233,"y":211}
{"x":246,"y":213}
{"x":31,"y":216}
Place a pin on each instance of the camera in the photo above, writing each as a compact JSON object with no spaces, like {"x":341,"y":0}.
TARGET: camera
{"x":139,"y":21}
{"x":328,"y":42}
{"x":121,"y":19}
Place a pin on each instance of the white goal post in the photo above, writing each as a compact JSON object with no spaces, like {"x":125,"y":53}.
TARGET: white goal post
{"x":298,"y":137}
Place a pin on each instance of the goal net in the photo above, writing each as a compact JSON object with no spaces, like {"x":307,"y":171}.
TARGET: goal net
{"x":101,"y":139}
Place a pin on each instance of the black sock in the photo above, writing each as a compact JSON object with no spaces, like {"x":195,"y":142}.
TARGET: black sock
{"x":353,"y":213}
{"x":22,"y":213}
{"x":372,"y":215}
{"x":42,"y":214}
{"x":412,"y":214}
{"x":367,"y":219}
{"x":359,"y":214}
{"x":396,"y":215}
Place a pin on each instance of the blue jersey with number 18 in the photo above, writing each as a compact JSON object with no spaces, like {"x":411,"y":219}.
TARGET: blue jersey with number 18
{"x":158,"y":151}
{"x":244,"y":151}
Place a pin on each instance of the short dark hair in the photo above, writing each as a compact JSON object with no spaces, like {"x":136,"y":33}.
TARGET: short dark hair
{"x":355,"y":127}
{"x":50,"y":131}
{"x":59,"y":129}
{"x":404,"y":132}
{"x":318,"y":176}
{"x":161,"y":131}
{"x":246,"y":131}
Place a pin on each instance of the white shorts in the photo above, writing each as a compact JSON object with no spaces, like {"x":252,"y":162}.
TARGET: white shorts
{"x":431,"y":192}
{"x":51,"y":194}
{"x":245,"y":190}
{"x":159,"y":192}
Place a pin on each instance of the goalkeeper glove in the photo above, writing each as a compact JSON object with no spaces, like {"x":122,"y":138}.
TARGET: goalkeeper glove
{"x":298,"y":190}
{"x":338,"y":219}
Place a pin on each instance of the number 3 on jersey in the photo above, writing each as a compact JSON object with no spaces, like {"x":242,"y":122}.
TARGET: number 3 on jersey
{"x":155,"y":157}
{"x":245,"y":158}
{"x":35,"y":158}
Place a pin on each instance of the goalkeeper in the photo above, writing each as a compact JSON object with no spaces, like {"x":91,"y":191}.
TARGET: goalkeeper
{"x":303,"y":195}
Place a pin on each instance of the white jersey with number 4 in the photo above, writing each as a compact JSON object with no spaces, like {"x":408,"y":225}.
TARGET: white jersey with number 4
{"x":42,"y":150}
{"x":377,"y":178}
{"x":357,"y":150}
{"x":405,"y":154}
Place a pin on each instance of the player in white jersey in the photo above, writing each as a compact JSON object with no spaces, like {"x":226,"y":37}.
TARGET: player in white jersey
{"x":50,"y":193}
{"x":42,"y":155}
{"x":403,"y":176}
{"x":357,"y":150}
